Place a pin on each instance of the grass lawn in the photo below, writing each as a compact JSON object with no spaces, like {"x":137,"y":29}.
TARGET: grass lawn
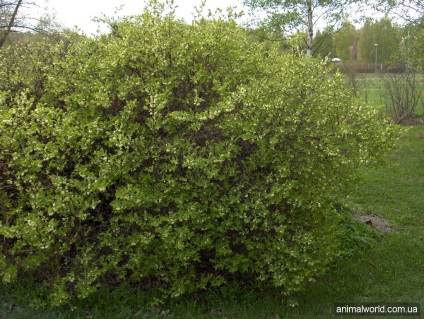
{"x":392,"y":270}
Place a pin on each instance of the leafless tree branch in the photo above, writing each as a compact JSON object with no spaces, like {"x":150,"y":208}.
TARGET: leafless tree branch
{"x":11,"y":23}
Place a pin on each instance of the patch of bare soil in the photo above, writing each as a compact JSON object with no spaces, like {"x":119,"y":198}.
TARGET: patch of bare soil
{"x":375,"y":222}
{"x":412,"y":120}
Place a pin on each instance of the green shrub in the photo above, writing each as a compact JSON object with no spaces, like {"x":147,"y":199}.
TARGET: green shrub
{"x":178,"y":157}
{"x":25,"y":65}
{"x":403,"y":95}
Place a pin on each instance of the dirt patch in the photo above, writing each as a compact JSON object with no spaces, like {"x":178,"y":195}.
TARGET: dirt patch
{"x":412,"y":120}
{"x":375,"y":222}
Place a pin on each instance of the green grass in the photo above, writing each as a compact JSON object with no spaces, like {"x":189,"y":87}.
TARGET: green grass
{"x":390,"y":271}
{"x":371,"y":88}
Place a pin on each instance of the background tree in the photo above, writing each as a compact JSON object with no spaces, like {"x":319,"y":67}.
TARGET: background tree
{"x":413,"y":45}
{"x":366,"y":42}
{"x":411,"y":13}
{"x":382,"y":32}
{"x":13,"y":19}
{"x":269,"y":38}
{"x":323,"y":43}
{"x":8,"y":18}
{"x":388,"y":38}
{"x":345,"y":41}
{"x":301,"y":14}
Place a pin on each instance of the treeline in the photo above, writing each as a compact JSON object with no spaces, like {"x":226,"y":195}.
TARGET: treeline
{"x":394,"y":47}
{"x":378,"y":44}
{"x":351,"y":44}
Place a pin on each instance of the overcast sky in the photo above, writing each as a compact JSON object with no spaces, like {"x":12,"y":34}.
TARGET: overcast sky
{"x":80,"y":12}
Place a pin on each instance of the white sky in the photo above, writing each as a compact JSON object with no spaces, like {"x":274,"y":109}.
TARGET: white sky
{"x":80,"y":12}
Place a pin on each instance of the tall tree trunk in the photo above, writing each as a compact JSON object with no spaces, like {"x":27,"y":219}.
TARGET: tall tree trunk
{"x":9,"y":27}
{"x":310,"y":29}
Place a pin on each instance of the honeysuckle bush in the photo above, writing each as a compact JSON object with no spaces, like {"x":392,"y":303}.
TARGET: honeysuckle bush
{"x":176,"y":158}
{"x":25,"y":65}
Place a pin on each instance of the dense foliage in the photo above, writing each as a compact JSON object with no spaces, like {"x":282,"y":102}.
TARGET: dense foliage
{"x":176,"y":157}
